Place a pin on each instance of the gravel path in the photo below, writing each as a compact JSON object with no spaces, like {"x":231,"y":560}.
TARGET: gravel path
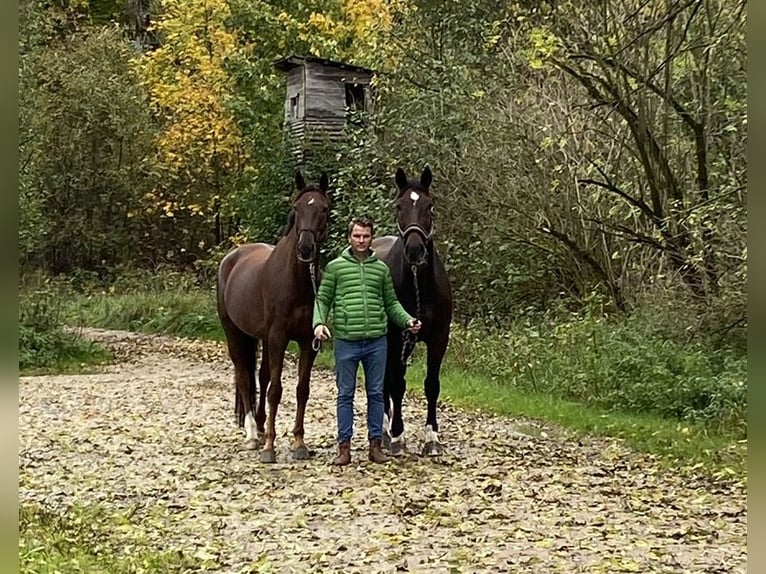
{"x":154,"y":434}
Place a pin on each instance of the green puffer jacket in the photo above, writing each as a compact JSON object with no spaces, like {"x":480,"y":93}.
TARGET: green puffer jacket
{"x":361,"y":297}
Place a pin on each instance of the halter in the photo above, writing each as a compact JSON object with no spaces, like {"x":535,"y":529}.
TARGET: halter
{"x":292,"y":216}
{"x":414,"y":227}
{"x":317,"y":237}
{"x":317,"y":240}
{"x":316,"y":344}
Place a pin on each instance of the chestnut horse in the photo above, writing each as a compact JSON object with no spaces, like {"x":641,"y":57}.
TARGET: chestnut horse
{"x":266,"y":294}
{"x":424,"y":290}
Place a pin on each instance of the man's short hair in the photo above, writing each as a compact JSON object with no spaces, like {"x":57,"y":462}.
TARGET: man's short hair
{"x":361,"y":222}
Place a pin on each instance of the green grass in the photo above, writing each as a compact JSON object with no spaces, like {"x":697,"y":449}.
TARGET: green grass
{"x":68,"y":356}
{"x":626,"y":379}
{"x":89,"y":540}
{"x":181,"y":313}
{"x":679,"y":444}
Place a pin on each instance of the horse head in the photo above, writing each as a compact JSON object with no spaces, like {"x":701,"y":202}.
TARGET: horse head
{"x":310,"y":212}
{"x":415,"y":215}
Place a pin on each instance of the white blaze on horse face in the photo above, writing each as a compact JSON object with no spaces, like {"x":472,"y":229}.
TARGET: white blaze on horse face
{"x":414,"y":197}
{"x":311,"y":201}
{"x":249,"y":426}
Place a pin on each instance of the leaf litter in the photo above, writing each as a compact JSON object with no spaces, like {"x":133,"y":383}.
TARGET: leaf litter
{"x":154,"y":435}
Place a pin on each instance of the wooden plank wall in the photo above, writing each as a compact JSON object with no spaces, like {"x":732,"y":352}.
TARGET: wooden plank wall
{"x":295,"y":87}
{"x":322,"y":102}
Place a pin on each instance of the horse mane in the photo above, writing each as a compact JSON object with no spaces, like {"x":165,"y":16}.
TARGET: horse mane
{"x":289,"y":223}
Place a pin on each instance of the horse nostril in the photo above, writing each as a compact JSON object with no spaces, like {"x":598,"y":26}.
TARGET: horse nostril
{"x":416,"y":254}
{"x":306,"y":250}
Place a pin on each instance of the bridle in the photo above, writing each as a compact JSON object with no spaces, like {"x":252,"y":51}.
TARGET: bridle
{"x":409,"y":339}
{"x":426,"y":234}
{"x":415,"y":228}
{"x":316,"y":344}
{"x":318,"y":239}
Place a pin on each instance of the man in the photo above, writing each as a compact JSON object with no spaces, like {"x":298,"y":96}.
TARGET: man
{"x":358,"y":288}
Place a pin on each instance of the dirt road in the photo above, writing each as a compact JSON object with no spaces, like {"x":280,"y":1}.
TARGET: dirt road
{"x":155,"y":433}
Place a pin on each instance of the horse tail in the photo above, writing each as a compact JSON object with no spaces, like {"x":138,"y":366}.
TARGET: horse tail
{"x":249,"y":347}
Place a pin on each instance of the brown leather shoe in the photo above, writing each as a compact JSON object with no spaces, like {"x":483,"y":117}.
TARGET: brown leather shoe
{"x":344,"y":454}
{"x":376,"y":452}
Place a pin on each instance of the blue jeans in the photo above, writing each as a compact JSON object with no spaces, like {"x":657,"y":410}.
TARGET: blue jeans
{"x":348,"y":354}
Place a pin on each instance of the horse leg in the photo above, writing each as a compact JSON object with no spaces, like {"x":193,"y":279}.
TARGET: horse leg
{"x":276,"y":357}
{"x":432,"y":386}
{"x":395,"y":385}
{"x":308,"y":354}
{"x":387,"y":412}
{"x":263,"y":381}
{"x":242,"y":350}
{"x":387,"y":408}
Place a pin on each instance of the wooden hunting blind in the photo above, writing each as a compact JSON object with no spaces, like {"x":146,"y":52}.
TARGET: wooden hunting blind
{"x":320,"y":96}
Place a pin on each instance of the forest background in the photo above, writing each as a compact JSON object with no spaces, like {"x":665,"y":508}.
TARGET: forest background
{"x":589,"y":160}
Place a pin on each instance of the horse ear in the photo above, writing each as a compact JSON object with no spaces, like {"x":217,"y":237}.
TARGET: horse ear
{"x":324,"y":182}
{"x":300,"y":183}
{"x":401,"y":179}
{"x":425,"y":177}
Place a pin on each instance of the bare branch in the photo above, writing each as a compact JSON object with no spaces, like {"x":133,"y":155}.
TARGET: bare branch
{"x":657,"y":26}
{"x":614,"y":189}
{"x":622,"y":231}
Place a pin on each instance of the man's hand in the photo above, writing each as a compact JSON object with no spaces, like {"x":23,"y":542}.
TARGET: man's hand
{"x":321,"y":332}
{"x":414,"y":325}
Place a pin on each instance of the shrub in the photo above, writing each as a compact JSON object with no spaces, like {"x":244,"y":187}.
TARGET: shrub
{"x":43,"y":342}
{"x":631,"y":364}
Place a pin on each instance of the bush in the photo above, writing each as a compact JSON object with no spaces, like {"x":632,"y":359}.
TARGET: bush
{"x":44,"y":343}
{"x":631,"y":364}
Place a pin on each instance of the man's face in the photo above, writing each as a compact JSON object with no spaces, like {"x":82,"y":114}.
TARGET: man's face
{"x":360,"y":239}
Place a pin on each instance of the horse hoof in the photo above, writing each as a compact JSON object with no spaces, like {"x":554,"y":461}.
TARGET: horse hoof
{"x":268,"y":456}
{"x":251,"y":444}
{"x":386,"y":441}
{"x":432,"y":448}
{"x":301,"y":453}
{"x":398,"y":448}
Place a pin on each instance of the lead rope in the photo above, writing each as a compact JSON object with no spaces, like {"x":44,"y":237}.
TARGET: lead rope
{"x":408,"y":338}
{"x":316,"y":343}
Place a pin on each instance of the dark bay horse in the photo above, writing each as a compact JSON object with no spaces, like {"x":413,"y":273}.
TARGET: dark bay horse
{"x":424,"y":290}
{"x":266,"y":294}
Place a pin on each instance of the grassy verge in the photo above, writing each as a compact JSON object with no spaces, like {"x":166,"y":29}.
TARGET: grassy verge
{"x":181,"y":313}
{"x":682,"y":402}
{"x":678,"y":444}
{"x":89,"y":541}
